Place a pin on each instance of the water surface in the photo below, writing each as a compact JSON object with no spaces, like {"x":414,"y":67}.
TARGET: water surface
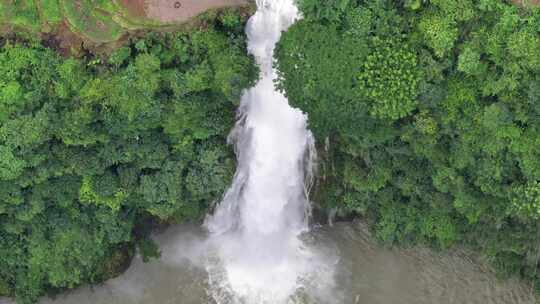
{"x":365,"y":273}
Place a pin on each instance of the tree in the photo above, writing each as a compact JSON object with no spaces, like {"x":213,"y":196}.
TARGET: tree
{"x":436,"y":138}
{"x":389,"y":79}
{"x":92,"y":149}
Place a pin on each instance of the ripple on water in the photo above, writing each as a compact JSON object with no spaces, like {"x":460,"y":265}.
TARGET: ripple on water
{"x":366,"y":274}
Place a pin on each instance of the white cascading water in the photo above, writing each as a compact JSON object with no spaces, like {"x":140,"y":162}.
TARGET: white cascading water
{"x":255,"y":230}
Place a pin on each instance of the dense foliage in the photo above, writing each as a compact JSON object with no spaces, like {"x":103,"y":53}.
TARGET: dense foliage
{"x":92,"y":147}
{"x":430,"y":112}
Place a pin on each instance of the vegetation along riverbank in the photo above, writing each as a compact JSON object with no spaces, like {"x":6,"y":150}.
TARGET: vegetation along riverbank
{"x":428,"y":119}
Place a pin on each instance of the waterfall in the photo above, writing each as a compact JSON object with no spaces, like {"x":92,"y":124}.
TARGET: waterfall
{"x":259,"y":256}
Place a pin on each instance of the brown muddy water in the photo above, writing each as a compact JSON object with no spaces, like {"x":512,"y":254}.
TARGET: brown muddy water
{"x":364,"y":273}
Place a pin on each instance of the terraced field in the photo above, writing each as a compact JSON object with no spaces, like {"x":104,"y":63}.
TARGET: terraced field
{"x":101,"y":21}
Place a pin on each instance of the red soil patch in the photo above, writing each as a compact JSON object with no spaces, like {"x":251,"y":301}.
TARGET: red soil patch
{"x":135,"y":8}
{"x":64,"y":41}
{"x":183,"y":10}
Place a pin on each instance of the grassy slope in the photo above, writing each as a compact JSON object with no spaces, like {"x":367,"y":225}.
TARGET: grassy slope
{"x":98,"y":21}
{"x":95,"y":21}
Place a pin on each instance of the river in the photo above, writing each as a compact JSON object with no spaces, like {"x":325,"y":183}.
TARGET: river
{"x":365,"y":273}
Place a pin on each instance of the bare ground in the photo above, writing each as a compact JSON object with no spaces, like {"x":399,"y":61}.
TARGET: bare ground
{"x":64,"y":41}
{"x":184,"y":10}
{"x":136,"y":8}
{"x":527,"y":2}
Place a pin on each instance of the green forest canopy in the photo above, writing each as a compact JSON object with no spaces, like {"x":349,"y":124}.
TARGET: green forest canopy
{"x":93,"y":149}
{"x":431,"y":111}
{"x":432,"y":115}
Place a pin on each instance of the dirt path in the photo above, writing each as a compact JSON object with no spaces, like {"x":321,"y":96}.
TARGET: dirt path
{"x":183,"y":10}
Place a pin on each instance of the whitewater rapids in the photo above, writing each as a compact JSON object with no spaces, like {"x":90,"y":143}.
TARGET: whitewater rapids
{"x":256,"y":230}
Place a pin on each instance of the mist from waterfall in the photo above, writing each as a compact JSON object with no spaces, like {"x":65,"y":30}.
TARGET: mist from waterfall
{"x":256,"y":230}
